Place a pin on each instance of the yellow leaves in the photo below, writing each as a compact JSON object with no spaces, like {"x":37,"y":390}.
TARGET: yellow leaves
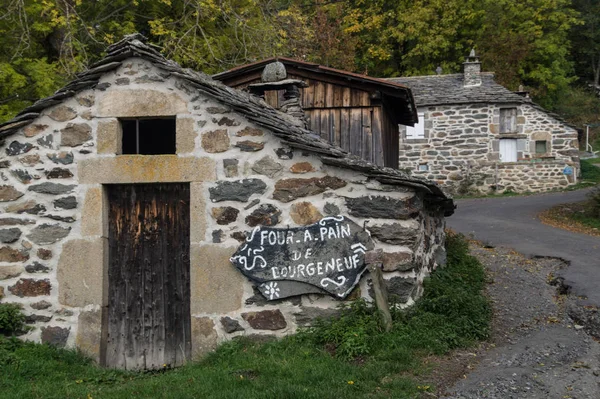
{"x":350,"y":382}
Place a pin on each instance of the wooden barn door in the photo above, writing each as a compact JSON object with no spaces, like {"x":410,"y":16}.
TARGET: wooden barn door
{"x":148,"y":276}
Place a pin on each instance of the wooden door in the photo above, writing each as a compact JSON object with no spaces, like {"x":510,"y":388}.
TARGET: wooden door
{"x":148,"y":276}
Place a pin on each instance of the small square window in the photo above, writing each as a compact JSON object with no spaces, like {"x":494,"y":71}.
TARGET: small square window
{"x":423,"y":167}
{"x":150,"y":136}
{"x":541,"y":147}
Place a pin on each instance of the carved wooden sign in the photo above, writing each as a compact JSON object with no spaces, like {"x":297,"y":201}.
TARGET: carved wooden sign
{"x":326,"y":257}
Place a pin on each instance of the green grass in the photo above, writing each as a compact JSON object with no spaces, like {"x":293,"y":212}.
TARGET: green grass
{"x":348,"y":357}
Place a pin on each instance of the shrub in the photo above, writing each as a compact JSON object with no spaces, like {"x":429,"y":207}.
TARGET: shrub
{"x":452,"y":313}
{"x":12,"y":320}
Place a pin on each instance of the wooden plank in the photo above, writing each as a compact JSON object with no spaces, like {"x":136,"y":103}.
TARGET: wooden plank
{"x":355,"y":132}
{"x":346,"y":97}
{"x":338,"y":95}
{"x":325,"y":130}
{"x":345,"y":129}
{"x":337,"y":127}
{"x":376,"y":129}
{"x":308,"y":95}
{"x":329,"y":91}
{"x":272,"y":98}
{"x":367,"y":136}
{"x":315,"y":120}
{"x":319,"y":92}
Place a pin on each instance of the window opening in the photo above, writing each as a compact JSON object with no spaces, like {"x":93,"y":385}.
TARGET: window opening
{"x":418,"y":130}
{"x":508,"y":120}
{"x":541,"y":147}
{"x":423,"y":167}
{"x":150,"y":136}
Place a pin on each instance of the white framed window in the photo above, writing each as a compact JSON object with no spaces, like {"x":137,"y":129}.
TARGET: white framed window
{"x":418,"y":130}
{"x":508,"y":150}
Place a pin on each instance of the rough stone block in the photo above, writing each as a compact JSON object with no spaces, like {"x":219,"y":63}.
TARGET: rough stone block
{"x":109,"y":137}
{"x":215,"y":141}
{"x":216,"y":286}
{"x":287,"y":190}
{"x":11,"y":255}
{"x":240,"y":190}
{"x":7,"y":272}
{"x":231,"y":325}
{"x":197,"y":213}
{"x":384,"y":207}
{"x":9,"y":193}
{"x":51,"y":188}
{"x":55,"y":336}
{"x":302,"y":167}
{"x":266,"y":320}
{"x":204,"y":337}
{"x":62,"y":113}
{"x":80,"y":272}
{"x":89,"y":329}
{"x":394,"y":234}
{"x":27,"y":287}
{"x":92,"y":220}
{"x":267,"y":166}
{"x":34,"y":129}
{"x":48,"y":233}
{"x":264,"y":215}
{"x":75,"y":134}
{"x":185,"y":135}
{"x":249,"y":131}
{"x":11,"y":235}
{"x":225,"y":215}
{"x":304,"y":213}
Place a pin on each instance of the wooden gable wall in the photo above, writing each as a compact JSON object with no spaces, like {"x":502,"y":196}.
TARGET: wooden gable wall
{"x":349,"y":117}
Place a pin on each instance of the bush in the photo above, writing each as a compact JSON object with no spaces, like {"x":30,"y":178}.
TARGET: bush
{"x":12,"y":320}
{"x":594,"y":204}
{"x":452,"y":313}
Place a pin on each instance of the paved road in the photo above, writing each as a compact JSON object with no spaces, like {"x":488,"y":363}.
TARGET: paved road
{"x":511,"y":222}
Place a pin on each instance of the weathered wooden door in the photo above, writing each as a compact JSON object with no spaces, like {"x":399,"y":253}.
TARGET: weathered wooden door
{"x":148,"y":276}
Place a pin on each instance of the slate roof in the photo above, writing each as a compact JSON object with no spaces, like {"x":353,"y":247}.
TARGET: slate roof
{"x":450,"y":89}
{"x":251,"y":107}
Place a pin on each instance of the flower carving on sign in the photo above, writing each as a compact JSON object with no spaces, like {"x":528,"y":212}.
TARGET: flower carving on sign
{"x":271,"y":290}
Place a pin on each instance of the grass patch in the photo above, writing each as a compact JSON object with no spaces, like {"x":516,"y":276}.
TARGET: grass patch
{"x":350,"y":356}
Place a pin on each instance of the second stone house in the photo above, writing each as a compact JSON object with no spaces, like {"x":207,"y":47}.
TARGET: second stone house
{"x":475,"y":135}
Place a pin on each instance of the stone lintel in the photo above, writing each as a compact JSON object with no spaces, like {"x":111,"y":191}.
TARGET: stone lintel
{"x":140,"y":103}
{"x":146,"y":169}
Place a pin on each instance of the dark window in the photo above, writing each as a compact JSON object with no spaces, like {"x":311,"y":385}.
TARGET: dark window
{"x":148,"y":136}
{"x":508,"y":120}
{"x":541,"y":147}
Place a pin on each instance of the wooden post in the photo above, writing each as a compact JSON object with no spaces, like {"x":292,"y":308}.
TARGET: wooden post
{"x":374,"y":261}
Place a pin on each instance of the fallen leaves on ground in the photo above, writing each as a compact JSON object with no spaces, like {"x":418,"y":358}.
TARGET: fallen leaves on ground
{"x":561,"y":216}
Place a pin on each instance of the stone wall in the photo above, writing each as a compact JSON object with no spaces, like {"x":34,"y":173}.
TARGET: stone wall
{"x":53,"y":225}
{"x":461,"y":150}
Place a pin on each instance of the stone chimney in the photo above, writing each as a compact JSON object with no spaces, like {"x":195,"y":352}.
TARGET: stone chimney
{"x":274,"y":77}
{"x":472,"y":70}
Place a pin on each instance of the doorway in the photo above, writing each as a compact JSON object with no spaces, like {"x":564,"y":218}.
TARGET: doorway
{"x":148,"y":316}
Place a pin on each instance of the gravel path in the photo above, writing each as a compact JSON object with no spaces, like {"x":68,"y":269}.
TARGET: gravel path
{"x":536,"y":350}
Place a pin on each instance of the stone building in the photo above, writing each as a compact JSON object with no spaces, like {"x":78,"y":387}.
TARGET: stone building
{"x":475,"y":135}
{"x":125,"y":194}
